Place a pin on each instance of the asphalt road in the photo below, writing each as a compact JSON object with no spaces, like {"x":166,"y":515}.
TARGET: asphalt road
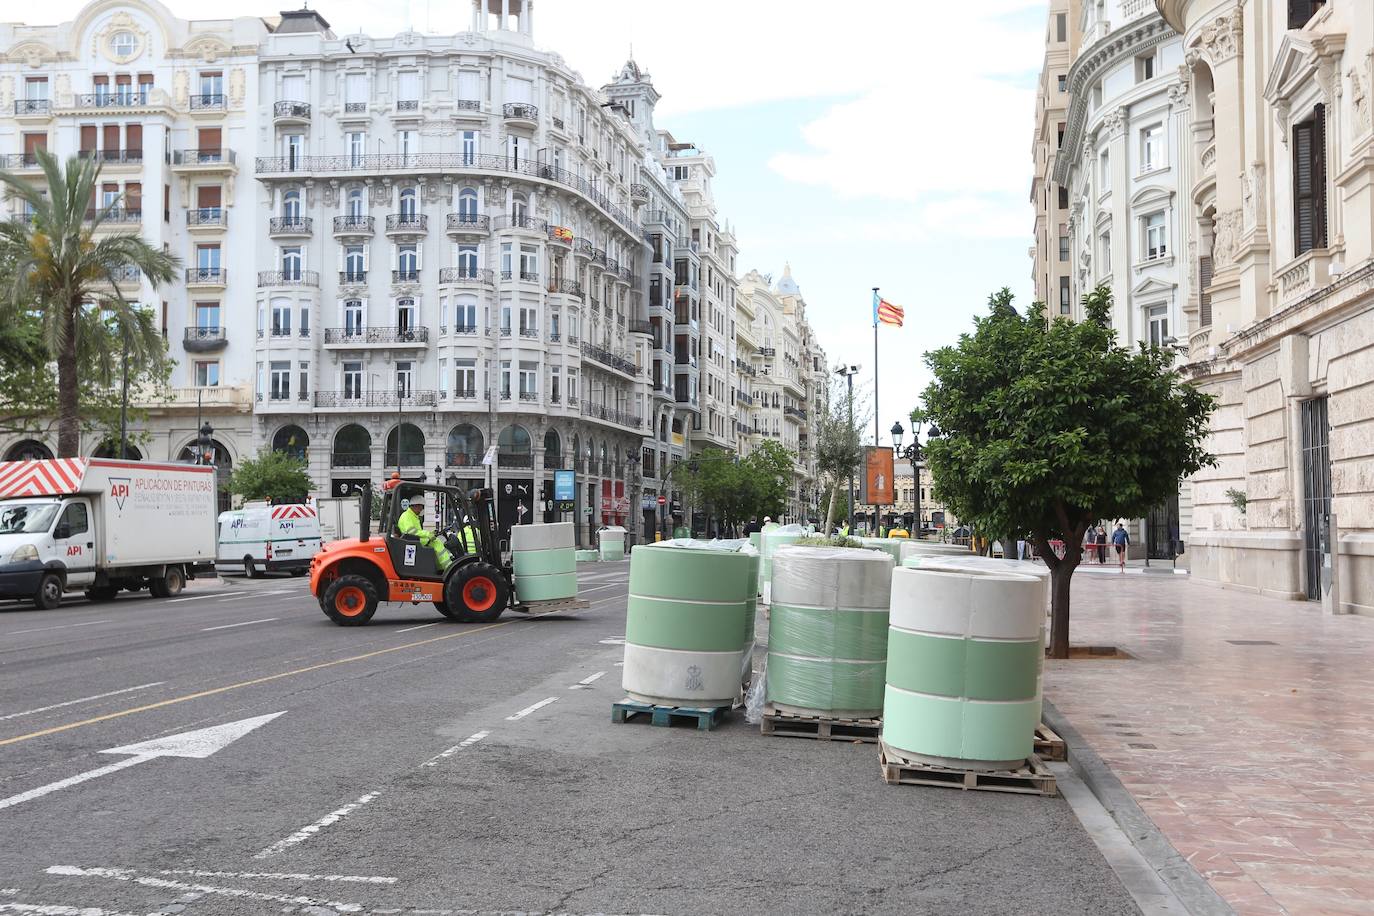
{"x":418,"y":765}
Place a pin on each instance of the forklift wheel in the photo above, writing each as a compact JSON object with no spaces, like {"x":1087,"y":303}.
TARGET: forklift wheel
{"x":350,"y":601}
{"x":477,"y":593}
{"x":460,"y":615}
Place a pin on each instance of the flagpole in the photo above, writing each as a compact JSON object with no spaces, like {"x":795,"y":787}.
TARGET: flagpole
{"x":876,"y":509}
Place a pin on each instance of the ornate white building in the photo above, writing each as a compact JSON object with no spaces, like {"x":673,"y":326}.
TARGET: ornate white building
{"x":170,"y":108}
{"x":1124,"y":163}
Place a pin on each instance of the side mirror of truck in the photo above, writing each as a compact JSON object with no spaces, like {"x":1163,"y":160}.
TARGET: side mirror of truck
{"x":62,"y":531}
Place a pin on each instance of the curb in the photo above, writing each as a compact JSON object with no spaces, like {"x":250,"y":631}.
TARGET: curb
{"x":1191,"y":889}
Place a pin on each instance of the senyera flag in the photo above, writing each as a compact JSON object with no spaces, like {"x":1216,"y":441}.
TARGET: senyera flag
{"x":886,"y":312}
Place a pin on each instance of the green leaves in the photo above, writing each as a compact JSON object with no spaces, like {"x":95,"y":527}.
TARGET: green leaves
{"x":737,"y":489}
{"x":271,"y":475}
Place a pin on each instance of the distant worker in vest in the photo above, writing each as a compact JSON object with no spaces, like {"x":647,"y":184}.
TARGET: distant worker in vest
{"x":468,"y":535}
{"x":411,"y":522}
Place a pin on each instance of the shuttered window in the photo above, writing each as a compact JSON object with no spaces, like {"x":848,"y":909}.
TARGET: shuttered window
{"x":1299,"y":11}
{"x":1204,"y":299}
{"x":1309,"y":183}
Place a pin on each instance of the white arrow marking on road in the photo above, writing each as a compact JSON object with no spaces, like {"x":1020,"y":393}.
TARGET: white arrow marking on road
{"x":197,"y":744}
{"x":128,"y":874}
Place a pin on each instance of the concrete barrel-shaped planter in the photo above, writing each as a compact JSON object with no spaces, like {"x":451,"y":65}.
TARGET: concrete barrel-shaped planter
{"x":991,"y":564}
{"x":769,"y":542}
{"x":688,"y":624}
{"x":544,"y":561}
{"x":827,"y":637}
{"x":611,"y":541}
{"x":914,"y":548}
{"x":964,"y":654}
{"x":890,"y":546}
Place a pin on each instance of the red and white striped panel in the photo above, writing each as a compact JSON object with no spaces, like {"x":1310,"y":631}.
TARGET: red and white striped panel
{"x":53,"y":477}
{"x":293,"y":512}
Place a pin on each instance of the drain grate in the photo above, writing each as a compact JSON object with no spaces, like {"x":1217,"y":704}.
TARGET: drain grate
{"x":1252,"y":642}
{"x":1143,"y":747}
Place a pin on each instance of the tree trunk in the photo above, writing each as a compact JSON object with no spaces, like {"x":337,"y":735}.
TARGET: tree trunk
{"x":1061,"y":578}
{"x":68,"y":413}
{"x":830,"y":512}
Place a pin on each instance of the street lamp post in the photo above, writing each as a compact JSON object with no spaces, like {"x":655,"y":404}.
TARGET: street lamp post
{"x":912,"y":453}
{"x":849,"y":372}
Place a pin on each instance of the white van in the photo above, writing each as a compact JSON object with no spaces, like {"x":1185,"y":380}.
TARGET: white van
{"x":260,"y":537}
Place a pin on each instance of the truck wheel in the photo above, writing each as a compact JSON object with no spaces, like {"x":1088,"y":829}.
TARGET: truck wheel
{"x":102,"y":592}
{"x":249,"y":569}
{"x":350,"y":601}
{"x":49,"y":594}
{"x":478,"y":593}
{"x":170,"y":585}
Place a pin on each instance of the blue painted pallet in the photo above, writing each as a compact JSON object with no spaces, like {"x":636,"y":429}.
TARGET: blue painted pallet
{"x":704,"y":717}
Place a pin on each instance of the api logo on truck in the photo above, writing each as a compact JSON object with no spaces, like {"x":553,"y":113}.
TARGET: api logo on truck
{"x":119,"y":489}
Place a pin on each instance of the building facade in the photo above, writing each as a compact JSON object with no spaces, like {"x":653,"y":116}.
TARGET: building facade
{"x":1051,"y":271}
{"x":1278,"y":220}
{"x":1125,"y":169}
{"x":934,"y":516}
{"x":169,"y":107}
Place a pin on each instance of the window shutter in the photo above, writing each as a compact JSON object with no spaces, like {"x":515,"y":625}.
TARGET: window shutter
{"x":1204,"y":280}
{"x":1303,"y":210}
{"x":1319,"y":177}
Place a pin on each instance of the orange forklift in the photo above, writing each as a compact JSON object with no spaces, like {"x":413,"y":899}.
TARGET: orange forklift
{"x":351,"y":576}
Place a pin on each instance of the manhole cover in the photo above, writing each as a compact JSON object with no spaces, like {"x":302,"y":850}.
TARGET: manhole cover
{"x":1252,"y":642}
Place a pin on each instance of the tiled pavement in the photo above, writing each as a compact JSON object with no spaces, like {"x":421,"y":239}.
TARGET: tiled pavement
{"x":1244,"y":728}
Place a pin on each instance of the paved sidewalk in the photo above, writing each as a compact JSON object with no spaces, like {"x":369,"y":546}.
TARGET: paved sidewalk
{"x":1244,"y":728}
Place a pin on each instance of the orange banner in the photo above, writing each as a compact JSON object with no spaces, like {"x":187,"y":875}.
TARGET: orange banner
{"x":877,"y":476}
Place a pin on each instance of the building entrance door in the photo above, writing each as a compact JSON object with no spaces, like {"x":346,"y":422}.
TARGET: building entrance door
{"x":1316,"y":501}
{"x":1161,"y":530}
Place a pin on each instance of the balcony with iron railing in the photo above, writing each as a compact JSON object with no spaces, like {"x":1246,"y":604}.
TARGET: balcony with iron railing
{"x":128,"y":273}
{"x":468,"y":223}
{"x":566,"y":287}
{"x":207,"y":218}
{"x":122,"y":97}
{"x":584,"y":248}
{"x":525,"y":222}
{"x":290,"y":225}
{"x":347,"y":459}
{"x":525,"y":276}
{"x":406,"y":275}
{"x":204,"y":160}
{"x":611,"y":415}
{"x":121,"y":215}
{"x":358,"y":399}
{"x":457,"y":329}
{"x":407,"y":106}
{"x":407,"y":223}
{"x":32,"y":108}
{"x":638,"y":326}
{"x":354,"y":225}
{"x":206,"y":276}
{"x":795,"y":413}
{"x":520,"y":113}
{"x":607,"y":358}
{"x":270,"y":278}
{"x":198,"y":339}
{"x":207,"y":101}
{"x":481,"y":275}
{"x":287,"y":112}
{"x":401,"y":336}
{"x":514,"y":460}
{"x":352,"y":277}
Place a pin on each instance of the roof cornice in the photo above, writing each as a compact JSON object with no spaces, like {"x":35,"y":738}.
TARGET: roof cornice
{"x":1130,"y":39}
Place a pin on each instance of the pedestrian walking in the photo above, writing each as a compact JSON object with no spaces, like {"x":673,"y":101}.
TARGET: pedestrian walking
{"x":1101,"y":546}
{"x":1120,"y":539}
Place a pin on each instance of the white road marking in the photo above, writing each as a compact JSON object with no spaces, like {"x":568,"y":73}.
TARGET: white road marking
{"x":197,"y":744}
{"x":230,"y":626}
{"x":529,"y":709}
{"x":65,"y":626}
{"x":612,"y":642}
{"x":56,"y":909}
{"x":309,"y":830}
{"x":276,"y":876}
{"x":98,"y":696}
{"x":240,"y":598}
{"x":469,"y":741}
{"x":588,"y":681}
{"x":203,"y":597}
{"x":280,"y":591}
{"x":420,"y":627}
{"x":126,"y":874}
{"x":595,"y":588}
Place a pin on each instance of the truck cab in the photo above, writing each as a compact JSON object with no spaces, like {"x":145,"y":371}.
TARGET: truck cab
{"x":47,"y":546}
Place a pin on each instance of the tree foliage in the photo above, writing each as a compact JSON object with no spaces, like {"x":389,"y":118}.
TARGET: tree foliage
{"x":1050,"y":426}
{"x":274,"y":476}
{"x":839,"y":445}
{"x":736,"y":489}
{"x":61,"y":266}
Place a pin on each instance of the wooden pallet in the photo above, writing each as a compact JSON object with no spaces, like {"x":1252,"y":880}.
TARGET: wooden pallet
{"x":1048,"y":744}
{"x":821,"y":728}
{"x":1032,"y":778}
{"x":704,"y":718}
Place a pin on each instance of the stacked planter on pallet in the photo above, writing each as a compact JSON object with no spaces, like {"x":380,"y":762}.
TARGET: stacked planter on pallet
{"x":612,"y":542}
{"x":544,"y":561}
{"x":912,"y":548}
{"x":964,"y":656}
{"x":770,"y":541}
{"x":689,"y":623}
{"x":827,"y":638}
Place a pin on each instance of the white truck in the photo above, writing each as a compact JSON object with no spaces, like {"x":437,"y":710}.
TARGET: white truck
{"x":99,"y":525}
{"x":338,"y":516}
{"x":259,"y":537}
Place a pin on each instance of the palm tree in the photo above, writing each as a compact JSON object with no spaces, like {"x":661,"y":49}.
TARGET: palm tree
{"x":57,"y":266}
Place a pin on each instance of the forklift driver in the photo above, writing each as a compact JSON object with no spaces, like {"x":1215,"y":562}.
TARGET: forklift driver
{"x":411,"y":522}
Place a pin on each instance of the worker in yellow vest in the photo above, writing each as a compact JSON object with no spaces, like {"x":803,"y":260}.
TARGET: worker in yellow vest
{"x":411,"y":522}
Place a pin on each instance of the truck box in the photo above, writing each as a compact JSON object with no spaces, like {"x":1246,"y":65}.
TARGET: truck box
{"x":339,"y":517}
{"x":102,"y":525}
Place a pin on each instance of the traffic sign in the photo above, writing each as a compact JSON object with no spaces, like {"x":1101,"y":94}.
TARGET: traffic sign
{"x":662,"y":500}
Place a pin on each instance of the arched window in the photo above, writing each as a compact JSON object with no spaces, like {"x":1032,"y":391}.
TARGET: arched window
{"x":352,"y":447}
{"x":513,"y":448}
{"x":467,"y":261}
{"x":291,"y":204}
{"x":28,"y":450}
{"x":412,"y":446}
{"x":292,"y":440}
{"x":465,"y":446}
{"x":553,"y":447}
{"x":356,"y":205}
{"x":110,"y":449}
{"x":467,"y":204}
{"x":409,"y":203}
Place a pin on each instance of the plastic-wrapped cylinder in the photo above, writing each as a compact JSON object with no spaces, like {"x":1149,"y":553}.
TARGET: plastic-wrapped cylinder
{"x":774,"y":537}
{"x":587,"y":556}
{"x":915,"y":548}
{"x":992,"y":564}
{"x":612,"y":542}
{"x":890,"y":546}
{"x":688,"y":624}
{"x":544,"y":561}
{"x":827,"y":636}
{"x":964,"y":654}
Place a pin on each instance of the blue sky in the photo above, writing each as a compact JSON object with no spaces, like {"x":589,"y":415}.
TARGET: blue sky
{"x":869,"y":145}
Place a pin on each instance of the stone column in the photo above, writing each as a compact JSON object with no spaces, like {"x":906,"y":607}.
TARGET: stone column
{"x":1125,"y":233}
{"x":1220,"y":44}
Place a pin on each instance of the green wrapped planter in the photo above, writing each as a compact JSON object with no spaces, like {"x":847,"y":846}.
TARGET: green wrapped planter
{"x":965,"y":648}
{"x":611,"y":541}
{"x":551,"y":587}
{"x":543,"y":562}
{"x":688,"y":624}
{"x":890,"y":546}
{"x":769,"y":542}
{"x":587,"y":556}
{"x":827,"y":638}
